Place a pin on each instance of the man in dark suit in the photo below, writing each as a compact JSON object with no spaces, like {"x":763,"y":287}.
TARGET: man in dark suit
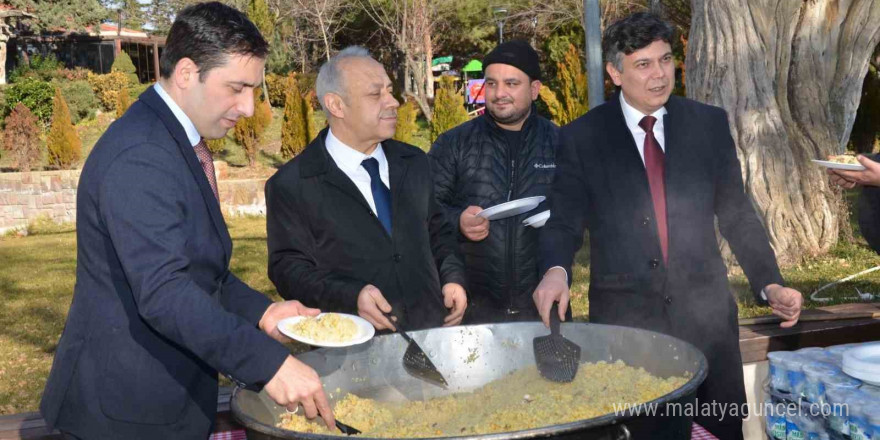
{"x":648,"y":173}
{"x":156,"y":313}
{"x":869,"y":199}
{"x":339,"y":237}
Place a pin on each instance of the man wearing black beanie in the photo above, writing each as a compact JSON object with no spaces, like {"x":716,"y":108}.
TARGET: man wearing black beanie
{"x":506,"y":154}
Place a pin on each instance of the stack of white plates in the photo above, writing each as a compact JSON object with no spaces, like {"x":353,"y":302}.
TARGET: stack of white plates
{"x":863,"y":363}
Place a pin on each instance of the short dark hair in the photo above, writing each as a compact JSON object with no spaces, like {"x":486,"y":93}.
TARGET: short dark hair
{"x":632,"y":33}
{"x":207,"y":33}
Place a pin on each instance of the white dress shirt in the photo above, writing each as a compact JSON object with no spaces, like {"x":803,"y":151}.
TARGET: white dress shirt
{"x":633,"y":117}
{"x":191,"y":132}
{"x":349,"y":161}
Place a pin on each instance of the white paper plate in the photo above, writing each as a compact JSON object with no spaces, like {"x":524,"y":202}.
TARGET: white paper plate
{"x":511,"y":208}
{"x":863,"y":363}
{"x":365,"y":331}
{"x":839,"y":166}
{"x":537,"y":220}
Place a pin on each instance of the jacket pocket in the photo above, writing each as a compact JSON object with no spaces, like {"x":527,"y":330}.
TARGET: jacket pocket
{"x":137,"y":387}
{"x":622,"y":282}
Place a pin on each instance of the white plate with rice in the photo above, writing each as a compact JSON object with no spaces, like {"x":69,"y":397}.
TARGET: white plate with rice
{"x":328,"y":329}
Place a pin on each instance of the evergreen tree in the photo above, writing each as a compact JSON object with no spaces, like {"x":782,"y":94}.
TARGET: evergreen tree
{"x":294,"y":129}
{"x":449,"y":111}
{"x":406,"y":122}
{"x":63,"y":143}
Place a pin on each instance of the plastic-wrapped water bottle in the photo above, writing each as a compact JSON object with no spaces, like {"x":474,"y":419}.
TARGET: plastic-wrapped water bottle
{"x":812,"y":429}
{"x":814,"y":372}
{"x":794,"y":364}
{"x":778,"y":371}
{"x":840,"y":381}
{"x":859,"y":404}
{"x":775,"y":420}
{"x":872,"y":413}
{"x":810,"y":351}
{"x":793,"y":424}
{"x":839,"y":409}
{"x":840,"y":349}
{"x":871,"y":390}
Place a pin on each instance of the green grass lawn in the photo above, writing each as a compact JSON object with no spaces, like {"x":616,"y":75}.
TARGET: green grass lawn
{"x":37,"y":278}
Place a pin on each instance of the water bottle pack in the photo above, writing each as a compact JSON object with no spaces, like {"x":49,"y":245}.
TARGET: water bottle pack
{"x":809,"y":397}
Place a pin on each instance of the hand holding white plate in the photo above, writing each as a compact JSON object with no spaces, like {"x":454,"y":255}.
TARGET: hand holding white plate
{"x":538,"y":220}
{"x":511,"y":208}
{"x":840,"y":166}
{"x":327,"y":329}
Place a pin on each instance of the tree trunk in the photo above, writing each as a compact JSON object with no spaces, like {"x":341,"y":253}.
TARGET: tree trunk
{"x":324,"y":36}
{"x":418,"y":92}
{"x":789,"y":73}
{"x":3,"y":40}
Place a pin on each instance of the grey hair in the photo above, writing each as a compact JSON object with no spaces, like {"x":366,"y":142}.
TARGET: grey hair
{"x":330,"y":76}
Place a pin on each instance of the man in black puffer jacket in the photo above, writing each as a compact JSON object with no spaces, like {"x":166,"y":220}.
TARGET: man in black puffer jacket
{"x":506,"y":154}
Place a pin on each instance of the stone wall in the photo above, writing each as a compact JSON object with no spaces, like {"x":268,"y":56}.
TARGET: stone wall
{"x":25,"y":197}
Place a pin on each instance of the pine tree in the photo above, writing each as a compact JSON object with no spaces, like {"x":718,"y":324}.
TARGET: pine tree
{"x":309,"y":114}
{"x":449,"y":111}
{"x":63,"y":143}
{"x":248,"y":131}
{"x":570,"y":101}
{"x":258,"y":12}
{"x":123,"y":64}
{"x":406,"y":122}
{"x":294,"y":129}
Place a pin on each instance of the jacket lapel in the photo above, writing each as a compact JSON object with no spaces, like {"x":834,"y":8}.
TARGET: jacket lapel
{"x":155,"y":102}
{"x":397,"y":167}
{"x":317,"y":161}
{"x":627,"y":168}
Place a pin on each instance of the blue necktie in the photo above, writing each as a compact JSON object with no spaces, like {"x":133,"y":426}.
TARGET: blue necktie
{"x":381,"y":193}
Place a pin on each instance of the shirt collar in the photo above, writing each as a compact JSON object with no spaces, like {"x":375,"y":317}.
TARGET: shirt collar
{"x":347,"y":158}
{"x":191,"y":132}
{"x":633,"y":116}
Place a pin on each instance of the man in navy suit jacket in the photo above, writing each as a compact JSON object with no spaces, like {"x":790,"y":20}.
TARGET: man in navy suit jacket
{"x":648,"y":174}
{"x":156,"y":313}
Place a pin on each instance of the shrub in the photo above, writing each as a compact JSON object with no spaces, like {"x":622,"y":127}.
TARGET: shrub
{"x":34,"y":94}
{"x":107,"y":86}
{"x":406,"y":122}
{"x":22,"y":137}
{"x":216,"y":146}
{"x":63,"y":144}
{"x":43,"y":68}
{"x":123,"y":102}
{"x":81,"y":99}
{"x":75,"y":74}
{"x":295,"y":127}
{"x":135,"y":91}
{"x":248,"y":131}
{"x":449,"y":111}
{"x":277,"y":86}
{"x":123,"y":64}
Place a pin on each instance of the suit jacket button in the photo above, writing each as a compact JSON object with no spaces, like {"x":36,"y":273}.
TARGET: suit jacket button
{"x":667,"y":300}
{"x":654,"y":263}
{"x":396,"y":258}
{"x":646,"y":221}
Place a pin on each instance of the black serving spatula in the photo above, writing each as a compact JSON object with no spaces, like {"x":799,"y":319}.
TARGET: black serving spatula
{"x":557,"y":358}
{"x":416,"y":361}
